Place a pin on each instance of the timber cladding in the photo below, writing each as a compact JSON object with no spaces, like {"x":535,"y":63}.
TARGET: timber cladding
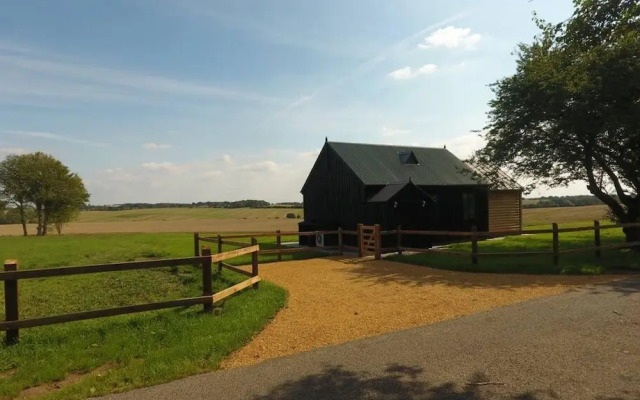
{"x":505,"y":210}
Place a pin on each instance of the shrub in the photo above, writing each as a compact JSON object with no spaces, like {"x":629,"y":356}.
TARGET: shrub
{"x":291,"y":215}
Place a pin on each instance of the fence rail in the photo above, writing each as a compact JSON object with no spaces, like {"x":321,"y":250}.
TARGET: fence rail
{"x":11,"y":276}
{"x":369,"y":241}
{"x":474,"y":236}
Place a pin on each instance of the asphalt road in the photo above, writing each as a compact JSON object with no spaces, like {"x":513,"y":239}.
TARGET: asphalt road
{"x":580,"y":345}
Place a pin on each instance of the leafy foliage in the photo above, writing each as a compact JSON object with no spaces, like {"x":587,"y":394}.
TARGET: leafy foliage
{"x":571,"y":112}
{"x":40,"y":181}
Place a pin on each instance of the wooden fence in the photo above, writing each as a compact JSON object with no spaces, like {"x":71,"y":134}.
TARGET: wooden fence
{"x":475,"y":236}
{"x":11,"y":276}
{"x":369,"y":241}
{"x":280,"y":249}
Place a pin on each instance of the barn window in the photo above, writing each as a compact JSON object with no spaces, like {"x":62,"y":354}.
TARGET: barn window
{"x":408,"y":157}
{"x":469,"y":206}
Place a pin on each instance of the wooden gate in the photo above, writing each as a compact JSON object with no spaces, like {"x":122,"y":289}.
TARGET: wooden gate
{"x":369,"y":240}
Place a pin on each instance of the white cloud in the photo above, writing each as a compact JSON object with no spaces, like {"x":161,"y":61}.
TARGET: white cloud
{"x":156,"y":146}
{"x":309,"y":155}
{"x":462,"y":146}
{"x":402,"y":73}
{"x":56,"y":137}
{"x":5,"y":151}
{"x":270,"y":176}
{"x":408,"y":73}
{"x":451,"y":37}
{"x":262,"y":166}
{"x":387,"y":131}
{"x":166,"y":167}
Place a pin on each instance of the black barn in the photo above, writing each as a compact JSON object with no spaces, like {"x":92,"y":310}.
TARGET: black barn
{"x":418,"y":188}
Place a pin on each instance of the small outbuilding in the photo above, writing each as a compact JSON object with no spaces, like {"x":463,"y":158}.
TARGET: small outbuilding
{"x":415,"y":187}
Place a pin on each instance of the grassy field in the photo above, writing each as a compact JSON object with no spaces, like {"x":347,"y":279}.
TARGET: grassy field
{"x":119,"y":353}
{"x":530,"y":216}
{"x":562,"y":215}
{"x":178,"y":214}
{"x":249,"y":220}
{"x":572,"y":263}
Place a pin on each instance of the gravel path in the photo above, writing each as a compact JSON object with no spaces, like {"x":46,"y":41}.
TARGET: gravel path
{"x":580,"y":345}
{"x":332,"y":301}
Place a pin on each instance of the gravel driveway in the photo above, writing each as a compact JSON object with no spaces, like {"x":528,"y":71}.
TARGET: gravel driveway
{"x":579,"y":345}
{"x":335,"y":300}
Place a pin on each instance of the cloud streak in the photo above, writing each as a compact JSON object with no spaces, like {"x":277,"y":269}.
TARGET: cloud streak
{"x":386,"y":53}
{"x":70,"y":79}
{"x":156,"y":146}
{"x":55,"y":137}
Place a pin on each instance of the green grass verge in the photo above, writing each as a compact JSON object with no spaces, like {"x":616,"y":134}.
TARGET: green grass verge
{"x":127,"y":351}
{"x":572,"y":263}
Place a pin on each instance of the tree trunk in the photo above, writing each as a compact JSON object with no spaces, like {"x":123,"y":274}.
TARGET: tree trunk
{"x":39,"y":219}
{"x":632,"y":234}
{"x":23,"y":219}
{"x":45,"y":222}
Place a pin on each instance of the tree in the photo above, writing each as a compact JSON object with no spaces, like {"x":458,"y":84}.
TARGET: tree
{"x":65,"y":205}
{"x":40,"y":180}
{"x":14,"y":174}
{"x":571,"y":112}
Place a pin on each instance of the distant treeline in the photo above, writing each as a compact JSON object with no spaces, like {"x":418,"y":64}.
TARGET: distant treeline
{"x":200,"y":204}
{"x":561,"y":201}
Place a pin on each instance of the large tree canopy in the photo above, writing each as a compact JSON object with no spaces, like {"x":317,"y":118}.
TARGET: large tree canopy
{"x":571,"y":112}
{"x":40,"y":181}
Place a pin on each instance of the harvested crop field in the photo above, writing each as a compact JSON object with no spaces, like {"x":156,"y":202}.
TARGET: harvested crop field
{"x":186,"y":225}
{"x":333,"y":301}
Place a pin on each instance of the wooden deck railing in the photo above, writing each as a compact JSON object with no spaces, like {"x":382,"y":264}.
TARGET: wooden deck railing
{"x":11,"y":276}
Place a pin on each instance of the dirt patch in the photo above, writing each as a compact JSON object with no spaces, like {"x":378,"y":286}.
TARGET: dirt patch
{"x":333,"y":302}
{"x":8,"y":374}
{"x":72,"y":378}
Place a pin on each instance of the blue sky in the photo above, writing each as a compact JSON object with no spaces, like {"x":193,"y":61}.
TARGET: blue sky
{"x":157,"y":100}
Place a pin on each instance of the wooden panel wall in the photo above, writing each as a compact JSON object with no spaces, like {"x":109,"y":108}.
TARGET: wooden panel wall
{"x":333,"y":195}
{"x":505,"y":210}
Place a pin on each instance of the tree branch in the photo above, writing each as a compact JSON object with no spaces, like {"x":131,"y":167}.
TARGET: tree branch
{"x":597,"y":191}
{"x":614,"y":179}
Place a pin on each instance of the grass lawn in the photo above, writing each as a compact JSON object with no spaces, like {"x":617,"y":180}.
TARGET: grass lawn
{"x":119,"y":353}
{"x":572,"y":263}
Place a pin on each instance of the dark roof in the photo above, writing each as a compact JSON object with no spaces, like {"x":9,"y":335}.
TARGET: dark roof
{"x":382,"y":165}
{"x":496,"y":177}
{"x":388,"y":192}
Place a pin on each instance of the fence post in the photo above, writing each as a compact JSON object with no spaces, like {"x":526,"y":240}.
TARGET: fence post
{"x":279,"y":244}
{"x":399,"y":239}
{"x":254,"y":262}
{"x":556,"y":244}
{"x":360,"y":250}
{"x":196,"y":246}
{"x":207,"y":289}
{"x":596,"y":237}
{"x":11,"y":303}
{"x":219,"y":251}
{"x":340,"y":242}
{"x":378,"y":237}
{"x":474,"y":245}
